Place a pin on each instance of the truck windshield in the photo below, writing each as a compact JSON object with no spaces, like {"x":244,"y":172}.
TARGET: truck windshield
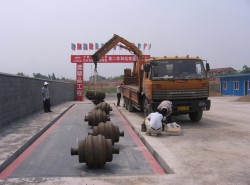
{"x":178,"y":69}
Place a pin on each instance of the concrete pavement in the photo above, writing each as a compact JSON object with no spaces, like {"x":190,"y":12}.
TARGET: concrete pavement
{"x":18,"y":135}
{"x":214,"y":151}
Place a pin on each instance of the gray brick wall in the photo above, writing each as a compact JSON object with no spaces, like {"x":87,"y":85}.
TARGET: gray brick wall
{"x":21,"y":96}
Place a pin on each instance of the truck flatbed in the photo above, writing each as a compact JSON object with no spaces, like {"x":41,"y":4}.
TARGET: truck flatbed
{"x":132,"y":87}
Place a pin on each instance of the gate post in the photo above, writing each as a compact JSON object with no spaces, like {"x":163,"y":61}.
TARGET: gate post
{"x":79,"y":81}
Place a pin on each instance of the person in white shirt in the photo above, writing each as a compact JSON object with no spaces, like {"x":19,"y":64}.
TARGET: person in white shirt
{"x":153,"y":122}
{"x":46,"y":97}
{"x":119,"y":94}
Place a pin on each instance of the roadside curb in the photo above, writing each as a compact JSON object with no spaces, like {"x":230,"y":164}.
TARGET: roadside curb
{"x":8,"y":161}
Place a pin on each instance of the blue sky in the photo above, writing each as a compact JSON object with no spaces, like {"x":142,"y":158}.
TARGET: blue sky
{"x":36,"y":35}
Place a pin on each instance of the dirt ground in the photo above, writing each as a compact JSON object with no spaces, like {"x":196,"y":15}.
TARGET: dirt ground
{"x":244,"y":98}
{"x":214,"y":151}
{"x":214,"y":93}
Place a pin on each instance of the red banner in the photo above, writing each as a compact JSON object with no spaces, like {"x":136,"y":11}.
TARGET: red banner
{"x":79,"y":82}
{"x":107,"y":58}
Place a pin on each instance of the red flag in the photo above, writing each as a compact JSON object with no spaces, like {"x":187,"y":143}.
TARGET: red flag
{"x":79,"y":46}
{"x":91,"y":46}
{"x":144,"y":45}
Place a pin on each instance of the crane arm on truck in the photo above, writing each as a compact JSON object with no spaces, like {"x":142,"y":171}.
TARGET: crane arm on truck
{"x":112,"y":43}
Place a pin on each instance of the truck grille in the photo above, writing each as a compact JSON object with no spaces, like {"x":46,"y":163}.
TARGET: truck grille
{"x":180,"y":94}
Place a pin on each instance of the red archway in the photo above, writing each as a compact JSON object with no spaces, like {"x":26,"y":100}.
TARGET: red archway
{"x":81,"y":59}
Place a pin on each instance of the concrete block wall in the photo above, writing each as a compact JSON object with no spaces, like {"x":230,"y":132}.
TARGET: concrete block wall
{"x":21,"y":96}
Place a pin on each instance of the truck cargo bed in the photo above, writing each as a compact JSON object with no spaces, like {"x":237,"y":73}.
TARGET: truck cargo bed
{"x":132,"y":92}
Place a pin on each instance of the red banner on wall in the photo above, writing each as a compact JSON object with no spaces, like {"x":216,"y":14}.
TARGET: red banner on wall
{"x":107,"y":58}
{"x":79,"y":82}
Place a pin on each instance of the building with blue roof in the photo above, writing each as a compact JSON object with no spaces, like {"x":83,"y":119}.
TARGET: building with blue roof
{"x":235,"y":85}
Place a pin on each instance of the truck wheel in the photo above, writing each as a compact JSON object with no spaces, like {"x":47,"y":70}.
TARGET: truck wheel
{"x":126,"y":103}
{"x":146,"y":108}
{"x":195,"y":116}
{"x":130,"y":106}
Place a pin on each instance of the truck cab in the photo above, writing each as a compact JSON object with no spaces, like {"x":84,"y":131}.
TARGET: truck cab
{"x":181,"y":80}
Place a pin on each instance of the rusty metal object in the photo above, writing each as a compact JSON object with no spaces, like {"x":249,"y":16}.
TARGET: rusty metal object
{"x":130,"y":80}
{"x":109,"y":130}
{"x":127,"y":72}
{"x":105,"y":107}
{"x":95,"y":151}
{"x":95,"y":96}
{"x":96,"y":116}
{"x":96,"y":102}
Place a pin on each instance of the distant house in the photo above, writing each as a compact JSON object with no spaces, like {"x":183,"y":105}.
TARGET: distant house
{"x":236,"y":85}
{"x":221,"y":71}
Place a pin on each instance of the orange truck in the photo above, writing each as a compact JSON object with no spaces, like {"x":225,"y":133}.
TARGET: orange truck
{"x":181,"y":80}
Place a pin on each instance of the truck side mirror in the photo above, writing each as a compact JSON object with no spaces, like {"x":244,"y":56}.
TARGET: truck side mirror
{"x":207,"y":67}
{"x":146,"y":68}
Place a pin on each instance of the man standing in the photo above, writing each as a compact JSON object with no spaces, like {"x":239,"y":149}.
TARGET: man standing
{"x":46,"y":97}
{"x":119,"y":95}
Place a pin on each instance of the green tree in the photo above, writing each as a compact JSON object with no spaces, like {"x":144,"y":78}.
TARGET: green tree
{"x":38,"y":75}
{"x":22,"y":74}
{"x":245,"y":69}
{"x":53,"y":77}
{"x":121,"y":77}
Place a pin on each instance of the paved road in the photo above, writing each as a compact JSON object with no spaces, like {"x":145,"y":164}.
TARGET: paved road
{"x":215,"y":151}
{"x":50,"y":155}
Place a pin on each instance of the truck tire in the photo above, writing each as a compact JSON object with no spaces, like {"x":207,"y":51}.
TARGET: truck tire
{"x":126,"y":103}
{"x":130,"y":106}
{"x":195,"y":116}
{"x":146,"y":108}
